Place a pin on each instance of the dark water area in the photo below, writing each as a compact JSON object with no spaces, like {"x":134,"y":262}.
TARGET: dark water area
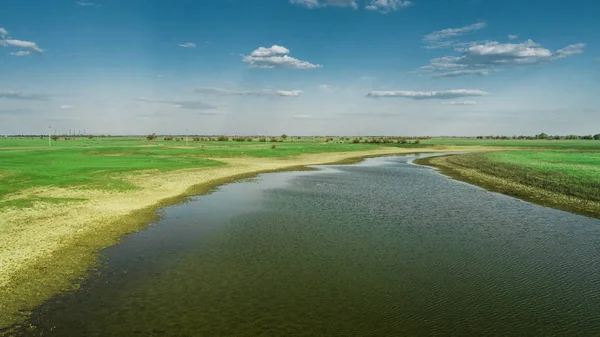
{"x":382,"y":248}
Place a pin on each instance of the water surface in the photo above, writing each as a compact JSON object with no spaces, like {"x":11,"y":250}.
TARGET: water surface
{"x":384,"y":247}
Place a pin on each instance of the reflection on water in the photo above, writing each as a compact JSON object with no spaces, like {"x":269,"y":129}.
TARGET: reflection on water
{"x":380,"y":248}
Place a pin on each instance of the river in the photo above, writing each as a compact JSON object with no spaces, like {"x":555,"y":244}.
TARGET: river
{"x":381,"y":248}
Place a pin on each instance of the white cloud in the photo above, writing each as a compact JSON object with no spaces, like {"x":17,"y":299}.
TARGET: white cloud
{"x":303,"y":116}
{"x":189,"y":105}
{"x":87,"y":4}
{"x":478,"y":58}
{"x":459,"y":103}
{"x":386,"y":6}
{"x":20,"y":53}
{"x":512,"y":37}
{"x":188,"y":45}
{"x":325,"y":3}
{"x":438,"y":39}
{"x":268,"y":52}
{"x":457,"y":73}
{"x":6,"y":41}
{"x":421,"y":95}
{"x":276,"y":57}
{"x":264,"y":92}
{"x":382,"y":6}
{"x":66,"y":107}
{"x":10,"y":94}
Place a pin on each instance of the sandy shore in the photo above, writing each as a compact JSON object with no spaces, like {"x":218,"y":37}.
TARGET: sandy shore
{"x":47,"y":248}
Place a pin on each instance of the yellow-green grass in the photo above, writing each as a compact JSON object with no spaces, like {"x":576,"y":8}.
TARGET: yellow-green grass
{"x":567,"y":180}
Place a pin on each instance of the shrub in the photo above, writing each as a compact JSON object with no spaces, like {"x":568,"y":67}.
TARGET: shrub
{"x":284,"y":136}
{"x":223,"y":138}
{"x":90,"y":137}
{"x":196,"y":139}
{"x":273,"y":146}
{"x":597,"y":136}
{"x":273,"y":139}
{"x":151,"y":136}
{"x":54,"y":137}
{"x":262,"y":139}
{"x":167,"y":138}
{"x":356,"y":141}
{"x":248,"y":139}
{"x":588,"y":137}
{"x":418,"y":141}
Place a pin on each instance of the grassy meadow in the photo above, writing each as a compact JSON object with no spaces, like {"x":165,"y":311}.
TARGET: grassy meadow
{"x":98,"y":163}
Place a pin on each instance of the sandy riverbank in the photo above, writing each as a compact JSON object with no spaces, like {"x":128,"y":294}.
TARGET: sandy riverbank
{"x":47,"y":248}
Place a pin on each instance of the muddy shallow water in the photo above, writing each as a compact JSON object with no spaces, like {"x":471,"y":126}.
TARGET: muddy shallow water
{"x":384,"y":247}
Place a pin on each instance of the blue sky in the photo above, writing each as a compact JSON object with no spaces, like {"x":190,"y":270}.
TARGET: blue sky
{"x":418,"y":67}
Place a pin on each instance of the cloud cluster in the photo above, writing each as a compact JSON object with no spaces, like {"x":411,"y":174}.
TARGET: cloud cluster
{"x":480,"y":58}
{"x":421,"y":95}
{"x":263,"y":92}
{"x":381,"y":6}
{"x":188,"y":105}
{"x":10,"y":94}
{"x":276,"y":57}
{"x":28,"y":46}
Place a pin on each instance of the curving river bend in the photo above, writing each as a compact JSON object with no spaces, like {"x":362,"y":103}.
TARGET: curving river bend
{"x":381,"y":248}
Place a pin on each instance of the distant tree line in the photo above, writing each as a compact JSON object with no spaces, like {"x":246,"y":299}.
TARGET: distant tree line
{"x":544,"y":135}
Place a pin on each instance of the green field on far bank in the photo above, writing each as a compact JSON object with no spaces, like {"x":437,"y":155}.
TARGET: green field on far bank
{"x":578,"y":144}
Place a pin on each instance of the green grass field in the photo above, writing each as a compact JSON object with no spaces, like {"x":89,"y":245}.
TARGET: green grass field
{"x":567,"y":166}
{"x":96,"y":163}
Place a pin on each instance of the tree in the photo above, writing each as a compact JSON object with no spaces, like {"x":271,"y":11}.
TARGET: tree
{"x":151,"y":136}
{"x":597,"y":136}
{"x":284,"y":136}
{"x":542,"y":136}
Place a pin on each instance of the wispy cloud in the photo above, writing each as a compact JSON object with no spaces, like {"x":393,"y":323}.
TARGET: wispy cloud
{"x":263,"y":92}
{"x":66,"y":107}
{"x":20,"y":53}
{"x":189,"y":105}
{"x":10,"y":94}
{"x":459,"y":103}
{"x":276,"y":57}
{"x":303,"y":116}
{"x":422,"y":95}
{"x":512,"y":37}
{"x":188,"y":45}
{"x":381,"y":6}
{"x":325,"y":3}
{"x":458,"y":73}
{"x":7,"y":41}
{"x":87,"y":4}
{"x":439,"y":39}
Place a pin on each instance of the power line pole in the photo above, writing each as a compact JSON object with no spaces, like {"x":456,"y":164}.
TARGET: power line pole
{"x":49,"y":139}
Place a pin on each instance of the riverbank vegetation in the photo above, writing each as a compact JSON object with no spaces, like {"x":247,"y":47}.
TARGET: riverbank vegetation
{"x":567,"y":180}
